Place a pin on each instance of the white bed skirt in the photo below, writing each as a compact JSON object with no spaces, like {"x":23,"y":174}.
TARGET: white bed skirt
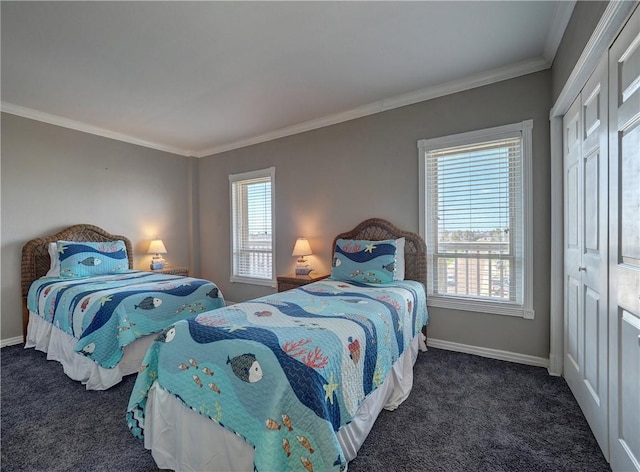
{"x":181,"y":439}
{"x":59,"y":347}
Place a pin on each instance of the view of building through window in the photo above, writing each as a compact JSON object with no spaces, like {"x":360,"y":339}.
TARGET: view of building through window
{"x":252,"y":227}
{"x":483,"y":271}
{"x":256,"y":253}
{"x":474,"y":216}
{"x":475,"y":209}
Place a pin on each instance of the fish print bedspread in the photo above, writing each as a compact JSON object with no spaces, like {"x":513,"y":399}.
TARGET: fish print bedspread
{"x":285,"y":371}
{"x":107,"y":312}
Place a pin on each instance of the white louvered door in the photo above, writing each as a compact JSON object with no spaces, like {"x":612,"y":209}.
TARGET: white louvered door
{"x":624,"y":263}
{"x":586,"y":246}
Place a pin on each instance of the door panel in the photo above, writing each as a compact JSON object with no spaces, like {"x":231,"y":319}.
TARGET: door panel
{"x":586,"y":249}
{"x":629,"y":381}
{"x":624,"y":254}
{"x":592,"y":203}
{"x":592,"y":112}
{"x":594,"y":402}
{"x":630,"y":197}
{"x":572,"y":322}
{"x":573,"y":242}
{"x":592,"y":325}
{"x":573,"y":208}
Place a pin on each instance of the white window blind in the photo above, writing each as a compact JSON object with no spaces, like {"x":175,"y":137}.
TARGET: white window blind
{"x":252,"y":238}
{"x":476,"y":217}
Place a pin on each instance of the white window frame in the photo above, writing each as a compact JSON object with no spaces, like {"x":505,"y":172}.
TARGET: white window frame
{"x":236,"y":178}
{"x":451,"y":301}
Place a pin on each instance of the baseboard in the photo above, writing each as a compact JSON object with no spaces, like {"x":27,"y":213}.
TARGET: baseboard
{"x":490,"y":353}
{"x":11,"y":341}
{"x":555,"y":365}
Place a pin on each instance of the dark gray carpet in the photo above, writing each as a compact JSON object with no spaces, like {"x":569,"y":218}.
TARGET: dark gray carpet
{"x":466,"y":413}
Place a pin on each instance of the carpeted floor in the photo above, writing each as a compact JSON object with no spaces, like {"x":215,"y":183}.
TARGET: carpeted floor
{"x":466,"y":413}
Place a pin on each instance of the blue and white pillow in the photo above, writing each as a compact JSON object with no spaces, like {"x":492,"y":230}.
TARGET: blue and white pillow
{"x":92,"y":258}
{"x":364,"y":261}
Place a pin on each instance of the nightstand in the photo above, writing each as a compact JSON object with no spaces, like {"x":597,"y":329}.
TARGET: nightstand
{"x":291,"y":281}
{"x":173,"y":270}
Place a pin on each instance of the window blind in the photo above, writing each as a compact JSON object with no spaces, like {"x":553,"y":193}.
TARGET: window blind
{"x":252,"y":225}
{"x":474,"y":216}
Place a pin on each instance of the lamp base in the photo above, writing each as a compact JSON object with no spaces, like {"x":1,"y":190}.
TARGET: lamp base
{"x":157,"y":262}
{"x":303,"y":270}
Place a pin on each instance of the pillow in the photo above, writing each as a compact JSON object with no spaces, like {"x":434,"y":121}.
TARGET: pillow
{"x":82,"y":259}
{"x":399,"y":273}
{"x":54,"y":268}
{"x":364,"y":261}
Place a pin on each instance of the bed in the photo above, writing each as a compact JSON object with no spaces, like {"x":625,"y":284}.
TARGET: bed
{"x":86,"y":307}
{"x":290,"y":381}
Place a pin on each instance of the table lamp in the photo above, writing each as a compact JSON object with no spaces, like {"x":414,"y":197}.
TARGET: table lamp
{"x":301,"y":249}
{"x":156,"y":247}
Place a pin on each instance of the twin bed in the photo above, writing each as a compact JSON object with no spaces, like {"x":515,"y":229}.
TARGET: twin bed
{"x":294,"y":380}
{"x":87,"y":309}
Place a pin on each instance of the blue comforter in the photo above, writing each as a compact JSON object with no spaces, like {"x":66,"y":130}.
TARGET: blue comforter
{"x":286,"y":371}
{"x":107,"y":312}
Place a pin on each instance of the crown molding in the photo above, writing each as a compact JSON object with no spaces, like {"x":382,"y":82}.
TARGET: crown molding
{"x":428,"y":93}
{"x":56,"y":120}
{"x":561,"y":16}
{"x":447,"y":88}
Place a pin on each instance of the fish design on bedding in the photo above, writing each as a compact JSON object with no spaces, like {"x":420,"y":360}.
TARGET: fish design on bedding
{"x":287,"y":422}
{"x":167,"y":334}
{"x":246,"y":368}
{"x":90,"y":261}
{"x":281,"y":383}
{"x":105,"y":313}
{"x":149,"y":303}
{"x":286,"y":446}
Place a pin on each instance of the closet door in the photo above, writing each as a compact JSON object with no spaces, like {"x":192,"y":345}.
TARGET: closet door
{"x":624,"y":263}
{"x":586,"y":246}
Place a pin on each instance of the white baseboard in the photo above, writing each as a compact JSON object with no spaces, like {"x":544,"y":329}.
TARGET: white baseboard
{"x":490,"y":353}
{"x":11,"y":341}
{"x":555,"y":365}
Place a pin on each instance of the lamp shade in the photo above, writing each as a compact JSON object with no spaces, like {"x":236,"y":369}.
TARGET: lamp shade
{"x":302,"y":248}
{"x":156,"y":246}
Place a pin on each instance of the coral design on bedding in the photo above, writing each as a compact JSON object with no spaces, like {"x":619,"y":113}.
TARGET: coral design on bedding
{"x":106,"y":313}
{"x":286,"y":371}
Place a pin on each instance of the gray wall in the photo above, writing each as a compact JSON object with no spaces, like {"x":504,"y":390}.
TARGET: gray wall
{"x":585,"y":17}
{"x":328,"y":180}
{"x":54,"y":177}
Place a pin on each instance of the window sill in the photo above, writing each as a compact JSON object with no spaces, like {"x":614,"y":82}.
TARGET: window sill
{"x":254,"y":281}
{"x":480,"y":306}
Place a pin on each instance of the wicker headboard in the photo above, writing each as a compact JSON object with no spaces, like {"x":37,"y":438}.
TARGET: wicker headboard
{"x":35,"y":253}
{"x":415,"y":250}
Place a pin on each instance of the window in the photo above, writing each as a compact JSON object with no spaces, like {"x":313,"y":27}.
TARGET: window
{"x":475,"y":216}
{"x":252,"y":238}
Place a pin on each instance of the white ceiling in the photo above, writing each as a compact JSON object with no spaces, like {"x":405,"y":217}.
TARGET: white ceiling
{"x":198,"y":78}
